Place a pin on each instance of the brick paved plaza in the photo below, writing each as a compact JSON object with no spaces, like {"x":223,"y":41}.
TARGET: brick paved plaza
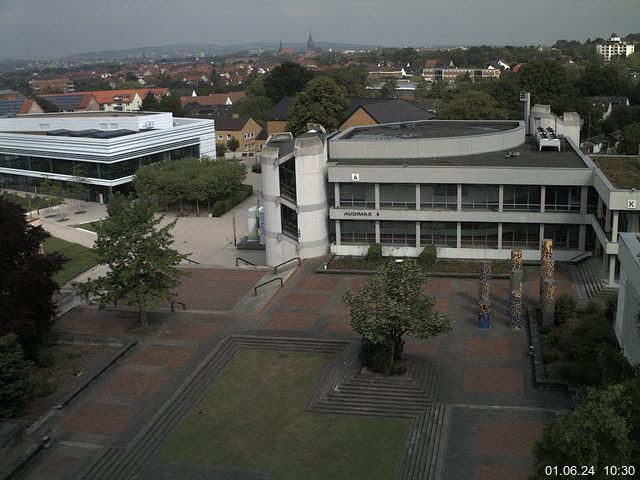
{"x":493,"y":411}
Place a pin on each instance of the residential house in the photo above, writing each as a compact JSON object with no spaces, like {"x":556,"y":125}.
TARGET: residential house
{"x":450,"y":73}
{"x":605,"y":104}
{"x":45,"y":85}
{"x":18,"y":105}
{"x":244,"y":128}
{"x":74,"y":102}
{"x":213,"y":99}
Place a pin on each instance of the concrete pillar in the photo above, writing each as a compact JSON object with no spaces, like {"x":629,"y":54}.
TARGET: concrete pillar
{"x":377,"y":195}
{"x":607,"y":221}
{"x":584,"y":197}
{"x":459,"y":198}
{"x":499,"y":236}
{"x":543,"y":194}
{"x":417,"y":196}
{"x":501,"y":199}
{"x":582,"y":237}
{"x":614,"y":226}
{"x":338,"y":233}
{"x":336,"y":194}
{"x":612,"y":271}
{"x":459,"y":235}
{"x":377,"y":231}
{"x":541,"y":235}
{"x":418,"y":242}
{"x":600,"y":205}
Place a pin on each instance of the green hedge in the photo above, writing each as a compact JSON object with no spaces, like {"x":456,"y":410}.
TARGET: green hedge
{"x":220,"y":207}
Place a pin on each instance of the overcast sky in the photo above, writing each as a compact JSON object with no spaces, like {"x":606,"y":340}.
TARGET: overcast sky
{"x":42,"y":29}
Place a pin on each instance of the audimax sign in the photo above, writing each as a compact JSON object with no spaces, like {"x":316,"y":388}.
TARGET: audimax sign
{"x":360,"y":213}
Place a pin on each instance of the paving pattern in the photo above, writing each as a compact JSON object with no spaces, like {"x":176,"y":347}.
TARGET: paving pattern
{"x":475,"y":410}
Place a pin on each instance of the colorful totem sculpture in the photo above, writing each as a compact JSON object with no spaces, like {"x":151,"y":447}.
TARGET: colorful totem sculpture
{"x":547,"y":284}
{"x":484,"y":315}
{"x":517,"y":279}
{"x":548,"y":306}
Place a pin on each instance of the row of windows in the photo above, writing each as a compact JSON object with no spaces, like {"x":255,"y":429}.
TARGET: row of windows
{"x":106,"y":171}
{"x":472,"y":234}
{"x":474,"y":197}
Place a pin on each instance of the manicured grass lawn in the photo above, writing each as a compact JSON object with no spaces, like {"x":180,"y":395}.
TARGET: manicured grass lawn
{"x":253,"y":418}
{"x":91,"y":226}
{"x":80,"y":258}
{"x":36,"y":202}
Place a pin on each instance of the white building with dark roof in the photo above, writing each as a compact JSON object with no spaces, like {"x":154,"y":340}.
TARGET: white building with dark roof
{"x":105,"y":148}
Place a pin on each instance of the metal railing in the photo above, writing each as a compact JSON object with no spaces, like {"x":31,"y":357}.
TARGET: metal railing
{"x":255,"y":290}
{"x":173,"y":302}
{"x":184,"y":257}
{"x":275,"y":269}
{"x":247,"y":262}
{"x":582,"y":256}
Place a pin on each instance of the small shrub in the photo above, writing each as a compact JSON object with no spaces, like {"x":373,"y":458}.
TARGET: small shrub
{"x":374,"y":254}
{"x":614,"y":366}
{"x":220,"y":208}
{"x":44,"y":357}
{"x":545,"y":329}
{"x":565,"y":305}
{"x":256,"y":168}
{"x":428,"y":255}
{"x":594,"y":308}
{"x":578,"y":373}
{"x":610,"y":306}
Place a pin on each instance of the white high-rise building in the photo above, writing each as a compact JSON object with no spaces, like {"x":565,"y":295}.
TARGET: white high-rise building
{"x":614,"y":47}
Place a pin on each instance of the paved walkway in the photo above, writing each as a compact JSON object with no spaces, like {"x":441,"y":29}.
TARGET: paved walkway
{"x":494,"y":413}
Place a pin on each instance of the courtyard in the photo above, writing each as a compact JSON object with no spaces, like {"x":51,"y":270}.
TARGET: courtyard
{"x":224,"y":391}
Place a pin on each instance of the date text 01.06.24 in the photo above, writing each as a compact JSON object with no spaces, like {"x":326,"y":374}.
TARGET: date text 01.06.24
{"x":569,"y":470}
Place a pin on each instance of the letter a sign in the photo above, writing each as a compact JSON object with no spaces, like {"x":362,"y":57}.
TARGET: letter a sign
{"x":355,"y":177}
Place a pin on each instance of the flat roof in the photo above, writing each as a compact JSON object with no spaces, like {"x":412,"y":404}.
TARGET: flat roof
{"x":525,"y":156}
{"x":429,"y":129}
{"x":622,"y":171}
{"x":88,"y":114}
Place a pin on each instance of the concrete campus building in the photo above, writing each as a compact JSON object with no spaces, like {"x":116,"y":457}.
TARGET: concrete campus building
{"x":105,"y":147}
{"x":475,"y":189}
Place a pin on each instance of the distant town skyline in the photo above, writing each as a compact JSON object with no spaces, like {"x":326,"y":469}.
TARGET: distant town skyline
{"x":44,"y":29}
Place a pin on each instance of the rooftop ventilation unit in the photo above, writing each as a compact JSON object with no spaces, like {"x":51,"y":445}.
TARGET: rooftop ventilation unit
{"x":547,"y":139}
{"x":280,"y":137}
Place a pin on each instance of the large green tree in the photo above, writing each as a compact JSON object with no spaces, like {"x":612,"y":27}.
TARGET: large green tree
{"x":472,"y":105}
{"x":16,"y":385}
{"x":142,"y":266}
{"x":26,"y":284}
{"x":548,"y":83}
{"x":286,"y":80}
{"x":630,"y":141}
{"x":602,"y":431}
{"x":393,"y":304}
{"x":322,"y":101}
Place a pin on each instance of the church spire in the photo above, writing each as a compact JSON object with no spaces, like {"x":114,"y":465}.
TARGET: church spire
{"x":280,"y":49}
{"x":310,"y":45}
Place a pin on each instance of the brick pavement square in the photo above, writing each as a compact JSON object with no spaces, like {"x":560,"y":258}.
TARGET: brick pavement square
{"x":306,"y":300}
{"x":493,"y":348}
{"x":415,"y":346}
{"x":500,"y":472}
{"x":58,"y":466}
{"x":91,"y":321}
{"x":437,"y":286}
{"x":326,"y":283}
{"x":164,"y":356}
{"x":190,"y":331}
{"x":340,"y":324}
{"x":100,"y":418}
{"x":291,"y":321}
{"x":357,"y":283}
{"x":124,"y":383}
{"x":442,"y":305}
{"x":494,"y":381}
{"x":216,"y":289}
{"x":508,"y":438}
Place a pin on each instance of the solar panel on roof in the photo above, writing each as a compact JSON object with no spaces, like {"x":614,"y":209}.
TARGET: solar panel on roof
{"x":8,"y":107}
{"x":66,"y":102}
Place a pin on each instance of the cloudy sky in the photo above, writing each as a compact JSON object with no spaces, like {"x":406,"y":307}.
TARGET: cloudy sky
{"x":43,"y":29}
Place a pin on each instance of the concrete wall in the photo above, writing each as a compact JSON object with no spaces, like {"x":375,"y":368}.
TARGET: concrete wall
{"x":567,"y":125}
{"x":626,"y":324}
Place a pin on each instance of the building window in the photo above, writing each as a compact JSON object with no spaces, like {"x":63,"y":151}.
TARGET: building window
{"x":229,"y":137}
{"x":443,"y":234}
{"x":480,"y":197}
{"x":357,"y":232}
{"x":398,"y":233}
{"x":288,"y":179}
{"x":398,"y":196}
{"x":592,"y":200}
{"x":480,"y":235}
{"x":562,"y":199}
{"x":439,"y":196}
{"x":521,"y":197}
{"x":357,"y":195}
{"x":220,"y":137}
{"x":521,"y":235}
{"x":289,"y":219}
{"x":565,"y":237}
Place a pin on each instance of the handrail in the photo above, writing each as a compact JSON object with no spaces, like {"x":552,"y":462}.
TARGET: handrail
{"x":580,"y":257}
{"x":275,"y":269}
{"x":184,"y":305}
{"x":184,"y":257}
{"x":255,"y":290}
{"x":245,"y":261}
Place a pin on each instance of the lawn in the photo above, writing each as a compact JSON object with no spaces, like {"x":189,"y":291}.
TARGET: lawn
{"x":254,"y":418}
{"x":91,"y":226}
{"x":33,"y":202}
{"x":80,"y":258}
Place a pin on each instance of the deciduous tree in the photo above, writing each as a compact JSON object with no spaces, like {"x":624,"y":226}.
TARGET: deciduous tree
{"x":16,"y":385}
{"x":472,"y":105}
{"x":142,"y":266}
{"x":286,"y":80}
{"x":393,"y":304}
{"x":322,"y":101}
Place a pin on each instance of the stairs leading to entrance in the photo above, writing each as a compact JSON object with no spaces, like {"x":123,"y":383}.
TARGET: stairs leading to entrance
{"x":592,"y":279}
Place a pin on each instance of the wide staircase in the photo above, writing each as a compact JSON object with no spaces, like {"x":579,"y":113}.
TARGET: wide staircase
{"x":594,"y":282}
